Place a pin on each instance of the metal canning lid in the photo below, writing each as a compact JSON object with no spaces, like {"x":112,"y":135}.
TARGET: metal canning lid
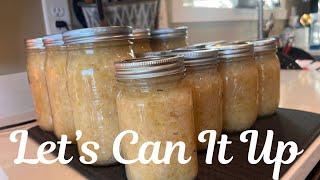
{"x":235,"y":49}
{"x":97,"y":34}
{"x":149,"y":67}
{"x":141,"y":33}
{"x":205,"y":45}
{"x":170,"y":32}
{"x":264,"y":45}
{"x":36,"y":43}
{"x":200,"y":57}
{"x":53,"y":40}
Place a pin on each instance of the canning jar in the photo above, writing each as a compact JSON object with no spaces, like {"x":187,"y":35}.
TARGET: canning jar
{"x":240,"y":89}
{"x":154,"y":102}
{"x":56,"y":75}
{"x":205,"y":45}
{"x":269,"y":75}
{"x":167,"y":39}
{"x":206,"y":83}
{"x":141,"y":41}
{"x":36,"y":58}
{"x":92,"y":84}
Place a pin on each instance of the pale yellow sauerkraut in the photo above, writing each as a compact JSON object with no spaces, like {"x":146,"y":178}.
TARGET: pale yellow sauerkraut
{"x":92,"y":89}
{"x":141,"y":46}
{"x":269,"y":83}
{"x":158,"y":44}
{"x":37,"y":80}
{"x":56,"y":75}
{"x":207,"y":87}
{"x":163,"y":113}
{"x":240,"y":93}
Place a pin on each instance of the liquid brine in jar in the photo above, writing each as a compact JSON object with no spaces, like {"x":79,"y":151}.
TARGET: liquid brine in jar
{"x":36,"y":59}
{"x":56,"y":75}
{"x":168,"y":39}
{"x":269,"y":75}
{"x":240,"y":89}
{"x":92,"y":84}
{"x":154,"y":102}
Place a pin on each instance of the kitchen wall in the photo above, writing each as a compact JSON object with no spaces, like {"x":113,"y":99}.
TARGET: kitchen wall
{"x":229,"y":30}
{"x":20,"y":19}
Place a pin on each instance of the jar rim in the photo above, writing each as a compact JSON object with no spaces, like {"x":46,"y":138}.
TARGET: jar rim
{"x":235,"y":49}
{"x":140,"y":33}
{"x":53,"y":40}
{"x":36,"y":43}
{"x":169,"y":32}
{"x":264,"y":45}
{"x":97,"y":34}
{"x":149,"y":67}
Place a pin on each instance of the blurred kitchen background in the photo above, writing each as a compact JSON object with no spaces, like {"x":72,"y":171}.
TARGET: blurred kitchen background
{"x":295,"y":21}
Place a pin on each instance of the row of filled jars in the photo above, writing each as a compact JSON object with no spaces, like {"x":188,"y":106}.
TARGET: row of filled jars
{"x":90,"y":80}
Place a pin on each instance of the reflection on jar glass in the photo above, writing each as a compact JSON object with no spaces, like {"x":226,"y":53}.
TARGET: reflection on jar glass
{"x":56,"y":76}
{"x":158,"y":106}
{"x":269,"y":76}
{"x":168,"y":39}
{"x":206,"y":83}
{"x":92,"y":85}
{"x":141,"y":41}
{"x":240,"y":91}
{"x":36,"y":58}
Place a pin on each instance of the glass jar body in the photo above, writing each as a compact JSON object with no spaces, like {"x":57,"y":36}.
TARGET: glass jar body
{"x":164,"y":44}
{"x":56,"y":75}
{"x":92,"y":90}
{"x":36,"y":60}
{"x":240,"y":93}
{"x":162,"y":113}
{"x":207,"y":87}
{"x":141,"y":46}
{"x":269,"y":82}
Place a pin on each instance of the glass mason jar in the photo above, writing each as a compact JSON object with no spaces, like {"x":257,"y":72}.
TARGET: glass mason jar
{"x":92,"y":84}
{"x":269,"y":76}
{"x":168,"y":39}
{"x":36,"y":58}
{"x":240,"y":91}
{"x":158,"y":106}
{"x":206,"y":83}
{"x":141,"y":41}
{"x":205,"y":45}
{"x":56,"y":75}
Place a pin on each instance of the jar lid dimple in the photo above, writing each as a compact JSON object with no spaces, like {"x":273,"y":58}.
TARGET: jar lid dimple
{"x":149,"y":67}
{"x":170,"y":32}
{"x":97,"y":34}
{"x":264,"y":45}
{"x":53,"y":40}
{"x":36,"y":43}
{"x":141,"y":33}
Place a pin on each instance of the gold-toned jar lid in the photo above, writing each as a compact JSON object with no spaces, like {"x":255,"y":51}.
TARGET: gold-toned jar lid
{"x":264,"y":45}
{"x":169,"y":32}
{"x":149,"y":67}
{"x":97,"y":34}
{"x":36,"y":43}
{"x":235,"y":49}
{"x":141,"y":33}
{"x":53,"y":40}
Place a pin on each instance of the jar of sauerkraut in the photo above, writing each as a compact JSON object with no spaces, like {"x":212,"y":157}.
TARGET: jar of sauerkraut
{"x":141,"y":41}
{"x":205,"y":45}
{"x":240,"y":91}
{"x":206,"y":83}
{"x":269,"y":75}
{"x":92,"y":85}
{"x":56,"y":75}
{"x":36,"y":58}
{"x":167,"y":39}
{"x":154,"y":102}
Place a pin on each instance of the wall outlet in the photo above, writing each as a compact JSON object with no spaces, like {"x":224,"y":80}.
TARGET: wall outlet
{"x":55,"y":11}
